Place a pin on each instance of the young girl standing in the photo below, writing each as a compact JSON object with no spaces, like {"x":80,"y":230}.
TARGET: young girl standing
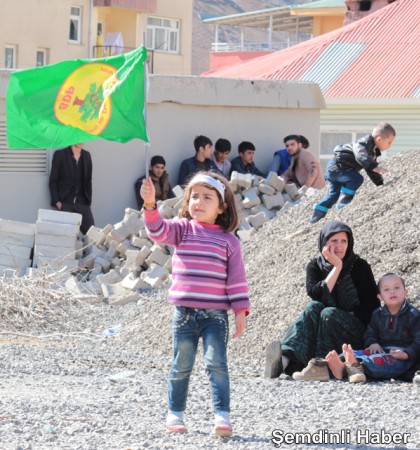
{"x":208,"y":279}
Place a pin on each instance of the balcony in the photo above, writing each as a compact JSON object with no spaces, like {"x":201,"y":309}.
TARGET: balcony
{"x":139,"y":5}
{"x":103,"y":51}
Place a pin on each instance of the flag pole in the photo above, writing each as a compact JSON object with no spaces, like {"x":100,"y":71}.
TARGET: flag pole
{"x":146,"y":79}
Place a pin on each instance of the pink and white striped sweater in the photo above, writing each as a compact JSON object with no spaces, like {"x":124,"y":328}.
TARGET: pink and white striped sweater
{"x":207,"y":266}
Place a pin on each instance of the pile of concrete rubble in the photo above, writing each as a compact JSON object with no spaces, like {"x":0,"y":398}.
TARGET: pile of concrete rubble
{"x":119,"y":261}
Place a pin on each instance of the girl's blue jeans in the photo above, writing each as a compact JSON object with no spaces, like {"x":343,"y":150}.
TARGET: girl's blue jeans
{"x":382,"y":365}
{"x":188,"y":325}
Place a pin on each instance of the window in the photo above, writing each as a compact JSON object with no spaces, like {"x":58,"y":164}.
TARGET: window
{"x":75,"y":24}
{"x":41,"y":57}
{"x":163,"y":34}
{"x":20,"y":161}
{"x":10,"y":57}
{"x":330,"y":139}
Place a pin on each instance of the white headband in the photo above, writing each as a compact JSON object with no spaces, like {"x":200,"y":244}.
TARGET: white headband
{"x":213,"y":182}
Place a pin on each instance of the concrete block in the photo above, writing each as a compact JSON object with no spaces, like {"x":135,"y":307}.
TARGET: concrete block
{"x":115,"y":262}
{"x":142,"y":234}
{"x":178,"y":205}
{"x":129,"y":297}
{"x":16,"y":250}
{"x":135,"y":259}
{"x":286,"y":198}
{"x":157,"y":256}
{"x":133,"y":282}
{"x":49,"y":215}
{"x":244,"y":225}
{"x":273,"y":201}
{"x":56,"y":263}
{"x":88,"y":261}
{"x":258,"y":220}
{"x":112,"y":277}
{"x":166,"y":212}
{"x":266,"y":189}
{"x":55,"y":252}
{"x":250,"y":198}
{"x":127,"y":228}
{"x":13,"y":226}
{"x":171,"y":202}
{"x":112,"y":251}
{"x":113,"y":290}
{"x":245,"y":235}
{"x":96,"y":251}
{"x":238,"y":197}
{"x":104,"y":263}
{"x":24,"y":240}
{"x":9,"y":272}
{"x":242,"y":180}
{"x":138,"y":242}
{"x":261,"y":208}
{"x":155,"y":275}
{"x":291,"y":190}
{"x":54,"y":240}
{"x":96,"y":235}
{"x":59,"y":229}
{"x":81,"y":289}
{"x":178,"y":191}
{"x":79,"y":249}
{"x":14,"y":261}
{"x":275,"y":181}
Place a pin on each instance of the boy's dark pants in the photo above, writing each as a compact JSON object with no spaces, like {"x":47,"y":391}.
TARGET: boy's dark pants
{"x":342,"y":181}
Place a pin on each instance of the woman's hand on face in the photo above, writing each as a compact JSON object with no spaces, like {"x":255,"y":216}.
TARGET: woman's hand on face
{"x":329,"y":254}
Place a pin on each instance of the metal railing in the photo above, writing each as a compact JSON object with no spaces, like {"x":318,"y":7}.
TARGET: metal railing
{"x":103,"y":51}
{"x":252,"y":46}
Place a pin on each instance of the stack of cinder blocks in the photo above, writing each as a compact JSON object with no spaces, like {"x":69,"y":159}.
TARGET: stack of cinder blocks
{"x":56,"y":240}
{"x":16,"y":243}
{"x":262,"y":199}
{"x":122,"y":260}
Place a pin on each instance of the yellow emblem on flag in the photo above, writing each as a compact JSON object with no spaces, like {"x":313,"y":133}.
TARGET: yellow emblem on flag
{"x":83,"y":100}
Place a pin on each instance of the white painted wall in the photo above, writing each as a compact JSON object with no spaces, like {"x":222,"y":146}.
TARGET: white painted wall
{"x":179,"y":108}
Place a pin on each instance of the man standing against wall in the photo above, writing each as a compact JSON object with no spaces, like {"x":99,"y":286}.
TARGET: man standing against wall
{"x":71,"y":183}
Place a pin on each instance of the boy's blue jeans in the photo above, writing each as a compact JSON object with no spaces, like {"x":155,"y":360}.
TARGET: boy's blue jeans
{"x":382,"y":365}
{"x":188,"y":325}
{"x":341,"y":181}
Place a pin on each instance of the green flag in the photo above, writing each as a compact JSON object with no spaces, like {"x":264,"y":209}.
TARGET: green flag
{"x":78,"y":101}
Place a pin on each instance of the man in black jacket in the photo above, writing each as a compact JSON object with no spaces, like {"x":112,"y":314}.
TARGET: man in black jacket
{"x":71,"y":183}
{"x":343,"y":170}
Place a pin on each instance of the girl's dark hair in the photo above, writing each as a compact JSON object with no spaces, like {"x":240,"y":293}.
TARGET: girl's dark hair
{"x":229,"y":219}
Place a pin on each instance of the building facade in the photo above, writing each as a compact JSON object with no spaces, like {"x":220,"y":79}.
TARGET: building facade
{"x":45,"y":32}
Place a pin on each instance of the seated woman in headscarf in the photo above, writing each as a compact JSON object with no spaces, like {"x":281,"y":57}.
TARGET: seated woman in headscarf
{"x":344,"y":295}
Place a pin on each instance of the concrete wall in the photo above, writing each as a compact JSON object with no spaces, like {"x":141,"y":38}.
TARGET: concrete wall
{"x":179,"y":108}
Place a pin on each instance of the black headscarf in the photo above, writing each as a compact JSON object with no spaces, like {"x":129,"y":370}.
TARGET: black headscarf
{"x":329,"y":229}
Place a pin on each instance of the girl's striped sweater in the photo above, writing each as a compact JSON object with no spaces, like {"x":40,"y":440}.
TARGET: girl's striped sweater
{"x":207,"y":266}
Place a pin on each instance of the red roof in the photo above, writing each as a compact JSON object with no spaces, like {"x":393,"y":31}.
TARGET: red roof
{"x":375,"y":57}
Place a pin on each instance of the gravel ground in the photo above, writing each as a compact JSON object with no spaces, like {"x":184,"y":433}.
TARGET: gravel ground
{"x":109,"y":392}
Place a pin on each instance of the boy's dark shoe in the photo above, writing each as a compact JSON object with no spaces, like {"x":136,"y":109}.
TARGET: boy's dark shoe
{"x":273,"y":365}
{"x":317,"y":216}
{"x":316,"y":370}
